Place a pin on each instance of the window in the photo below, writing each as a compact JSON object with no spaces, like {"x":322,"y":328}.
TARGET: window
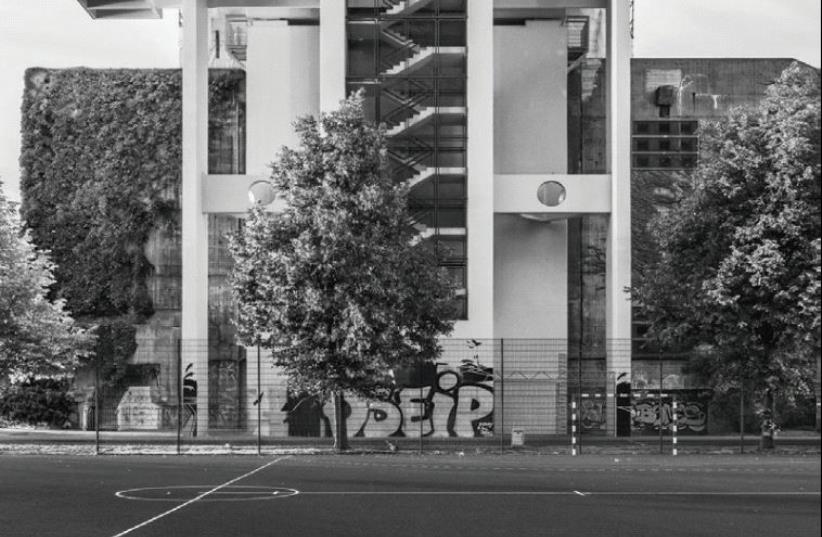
{"x":665,"y":144}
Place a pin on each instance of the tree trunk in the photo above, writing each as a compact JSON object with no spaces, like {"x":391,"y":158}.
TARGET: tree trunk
{"x":766,"y":422}
{"x":340,"y":429}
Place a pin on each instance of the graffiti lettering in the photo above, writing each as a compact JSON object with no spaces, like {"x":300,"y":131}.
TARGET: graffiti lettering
{"x":431,"y":401}
{"x":647,"y":416}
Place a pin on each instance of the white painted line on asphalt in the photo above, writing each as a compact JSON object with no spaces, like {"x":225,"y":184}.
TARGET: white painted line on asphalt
{"x":434,"y":493}
{"x":540,"y":493}
{"x":199,"y":497}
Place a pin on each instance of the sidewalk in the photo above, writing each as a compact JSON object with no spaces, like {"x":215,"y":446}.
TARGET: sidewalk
{"x":165,"y":442}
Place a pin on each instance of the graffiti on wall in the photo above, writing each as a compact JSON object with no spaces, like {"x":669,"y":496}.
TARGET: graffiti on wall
{"x":226,"y":393}
{"x":189,"y":401}
{"x":592,"y":414}
{"x":433,"y":400}
{"x":648,"y":416}
{"x":136,"y":410}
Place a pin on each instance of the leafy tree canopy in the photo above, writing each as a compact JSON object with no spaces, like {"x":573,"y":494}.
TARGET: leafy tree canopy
{"x":37,"y":335}
{"x":739,"y":266}
{"x":337,"y":284}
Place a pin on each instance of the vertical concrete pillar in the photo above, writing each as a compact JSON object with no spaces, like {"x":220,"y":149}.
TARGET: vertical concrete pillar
{"x":194,"y":321}
{"x":480,"y":211}
{"x":333,"y":45}
{"x":618,"y":313}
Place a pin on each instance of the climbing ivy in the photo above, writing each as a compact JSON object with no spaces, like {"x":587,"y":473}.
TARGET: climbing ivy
{"x":101,"y":162}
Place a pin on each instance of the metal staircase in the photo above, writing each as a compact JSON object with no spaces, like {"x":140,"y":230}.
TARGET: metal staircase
{"x":424,"y":117}
{"x":422,"y":111}
{"x":422,"y":58}
{"x":429,"y":172}
{"x":406,"y":7}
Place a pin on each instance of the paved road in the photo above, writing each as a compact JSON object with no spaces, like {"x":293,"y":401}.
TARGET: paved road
{"x":406,"y":495}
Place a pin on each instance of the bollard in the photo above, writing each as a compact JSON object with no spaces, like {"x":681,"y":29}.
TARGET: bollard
{"x":573,"y":428}
{"x":673,"y":426}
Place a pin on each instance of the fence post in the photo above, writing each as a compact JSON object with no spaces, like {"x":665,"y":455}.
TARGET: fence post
{"x":259,"y":406}
{"x":573,"y":428}
{"x":502,"y":395}
{"x":742,"y":417}
{"x":659,"y":405}
{"x":673,"y":425}
{"x":97,"y":409}
{"x":179,"y":396}
{"x":422,"y":401}
{"x":579,"y":390}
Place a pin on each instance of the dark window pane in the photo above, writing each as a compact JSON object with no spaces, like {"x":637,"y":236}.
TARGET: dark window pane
{"x":456,"y":274}
{"x":689,"y":161}
{"x":688,"y":144}
{"x":451,"y":248}
{"x":452,"y":188}
{"x":451,"y":217}
{"x":689,"y":127}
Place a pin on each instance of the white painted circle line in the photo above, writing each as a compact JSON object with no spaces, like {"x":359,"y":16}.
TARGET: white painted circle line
{"x":199,"y":497}
{"x":252,"y":493}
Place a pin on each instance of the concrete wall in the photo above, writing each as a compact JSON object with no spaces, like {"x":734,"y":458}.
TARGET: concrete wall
{"x":530,"y":110}
{"x":530,"y":281}
{"x":706,"y":87}
{"x":530,"y":272}
{"x":282,"y":84}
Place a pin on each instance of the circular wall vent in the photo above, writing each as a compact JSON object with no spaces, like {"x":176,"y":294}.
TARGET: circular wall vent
{"x":551,"y":193}
{"x":261,"y":193}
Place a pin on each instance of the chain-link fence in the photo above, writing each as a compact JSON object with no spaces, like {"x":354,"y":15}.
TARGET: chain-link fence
{"x":485,"y":393}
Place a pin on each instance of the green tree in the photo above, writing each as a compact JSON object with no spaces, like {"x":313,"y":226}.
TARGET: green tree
{"x":37,"y":335}
{"x":738,"y":273}
{"x":338,"y":285}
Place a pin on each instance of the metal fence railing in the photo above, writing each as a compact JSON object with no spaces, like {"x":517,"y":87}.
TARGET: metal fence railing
{"x":489,"y":393}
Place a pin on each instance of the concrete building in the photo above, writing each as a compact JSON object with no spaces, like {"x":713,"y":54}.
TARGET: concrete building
{"x":517,"y":127}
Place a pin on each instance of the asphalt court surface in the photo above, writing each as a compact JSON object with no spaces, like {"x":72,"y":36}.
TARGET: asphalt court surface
{"x":408,"y":495}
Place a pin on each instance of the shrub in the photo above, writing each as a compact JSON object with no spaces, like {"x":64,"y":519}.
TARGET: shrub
{"x":37,"y":401}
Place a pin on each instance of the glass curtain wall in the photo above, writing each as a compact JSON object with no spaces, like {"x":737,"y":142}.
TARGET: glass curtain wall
{"x":409,"y":60}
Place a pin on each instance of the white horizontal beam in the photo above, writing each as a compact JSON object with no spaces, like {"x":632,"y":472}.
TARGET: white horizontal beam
{"x":549,"y":4}
{"x":585,"y":194}
{"x":264,"y":3}
{"x":144,"y":9}
{"x":228,"y":194}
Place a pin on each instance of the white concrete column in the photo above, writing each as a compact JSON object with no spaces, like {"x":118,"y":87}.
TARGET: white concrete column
{"x":333,"y":46}
{"x":194,"y":327}
{"x":480,"y":211}
{"x":618,"y":313}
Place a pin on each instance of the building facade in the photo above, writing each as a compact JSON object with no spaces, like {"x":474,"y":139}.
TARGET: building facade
{"x":522,"y":126}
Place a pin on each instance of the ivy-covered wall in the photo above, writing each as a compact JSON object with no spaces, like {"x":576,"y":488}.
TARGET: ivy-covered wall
{"x":100,"y":162}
